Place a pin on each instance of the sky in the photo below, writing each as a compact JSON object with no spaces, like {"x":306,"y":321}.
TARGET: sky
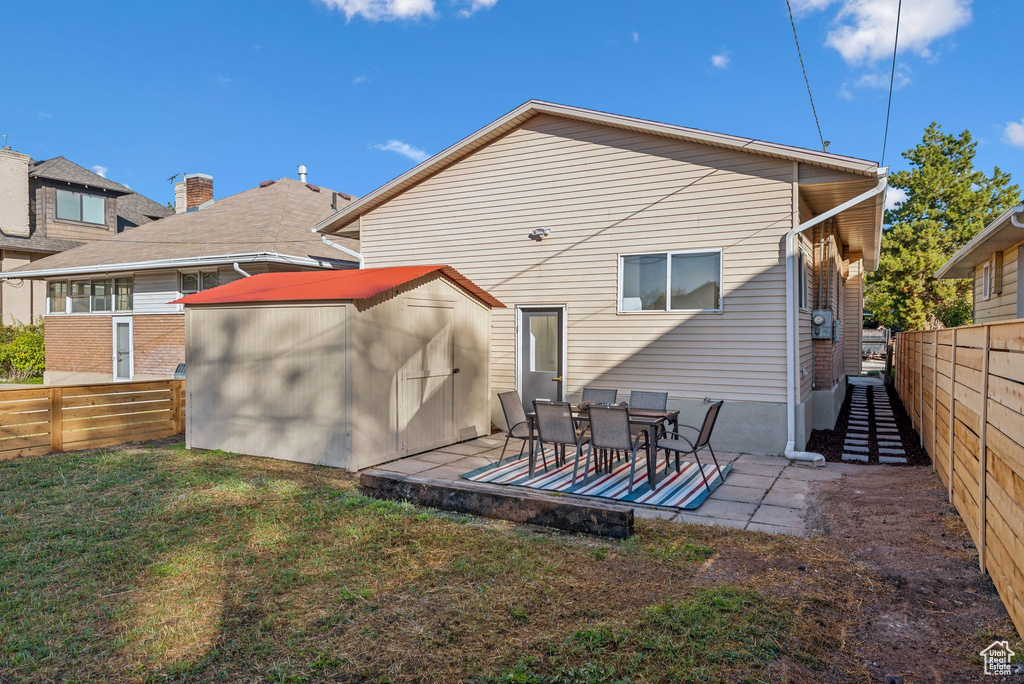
{"x":362,"y":90}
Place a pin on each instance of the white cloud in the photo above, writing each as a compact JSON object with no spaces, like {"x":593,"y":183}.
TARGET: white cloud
{"x":721,"y":60}
{"x":1014,"y":133}
{"x":635,"y":36}
{"x":895,"y":197}
{"x":44,"y":115}
{"x":404,"y":149}
{"x":221,"y":80}
{"x":360,"y":80}
{"x":801,"y":6}
{"x":383,"y":10}
{"x":880,"y":80}
{"x":475,"y":6}
{"x":845,"y":92}
{"x":100,"y":170}
{"x":864,"y":29}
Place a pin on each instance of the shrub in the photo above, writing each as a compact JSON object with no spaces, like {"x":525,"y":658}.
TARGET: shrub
{"x":22,"y":351}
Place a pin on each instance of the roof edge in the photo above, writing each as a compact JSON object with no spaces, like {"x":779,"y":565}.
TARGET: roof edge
{"x":977,"y":242}
{"x":179,"y":262}
{"x":531,"y":108}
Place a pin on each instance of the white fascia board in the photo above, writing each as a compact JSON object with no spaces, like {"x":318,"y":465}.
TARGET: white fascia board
{"x":183,"y":262}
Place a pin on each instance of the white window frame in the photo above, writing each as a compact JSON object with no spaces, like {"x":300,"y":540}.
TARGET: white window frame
{"x":668,"y":281}
{"x":803,"y":282}
{"x":67,"y":298}
{"x":198,"y":273}
{"x":113,"y":311}
{"x":986,"y":281}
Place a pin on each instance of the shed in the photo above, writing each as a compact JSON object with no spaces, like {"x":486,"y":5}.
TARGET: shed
{"x":342,"y":368}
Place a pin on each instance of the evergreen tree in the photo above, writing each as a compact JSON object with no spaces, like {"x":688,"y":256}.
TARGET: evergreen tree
{"x":948,"y":202}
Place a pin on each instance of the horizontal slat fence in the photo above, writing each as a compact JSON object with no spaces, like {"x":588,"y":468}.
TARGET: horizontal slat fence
{"x":66,"y":418}
{"x":964,"y":391}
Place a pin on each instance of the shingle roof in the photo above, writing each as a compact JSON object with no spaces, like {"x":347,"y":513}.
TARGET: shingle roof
{"x":135,"y":210}
{"x":66,"y":170}
{"x":320,"y":286}
{"x":37,"y":243}
{"x":274,"y":219}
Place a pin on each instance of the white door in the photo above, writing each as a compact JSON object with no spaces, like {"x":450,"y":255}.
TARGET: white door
{"x":426,"y":383}
{"x":123,"y":351}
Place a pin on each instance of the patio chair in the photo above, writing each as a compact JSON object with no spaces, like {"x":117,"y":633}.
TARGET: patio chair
{"x":681,"y":446}
{"x":593,"y":395}
{"x":515,"y":419}
{"x":609,"y":433}
{"x":555,"y":426}
{"x":652,"y":401}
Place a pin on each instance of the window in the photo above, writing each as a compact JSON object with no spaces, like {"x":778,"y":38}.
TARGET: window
{"x":124,"y":294}
{"x":997,"y":273}
{"x":986,"y":281}
{"x":671,"y":281}
{"x":194,"y":282}
{"x":544,"y":343}
{"x":801,"y":277}
{"x":102,"y":295}
{"x":80,"y":296}
{"x":57,"y":291}
{"x":78,"y":206}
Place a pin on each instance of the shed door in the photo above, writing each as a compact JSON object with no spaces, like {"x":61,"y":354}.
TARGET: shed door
{"x":426,"y":383}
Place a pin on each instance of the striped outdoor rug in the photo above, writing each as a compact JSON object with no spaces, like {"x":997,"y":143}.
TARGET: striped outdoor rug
{"x":684,"y":489}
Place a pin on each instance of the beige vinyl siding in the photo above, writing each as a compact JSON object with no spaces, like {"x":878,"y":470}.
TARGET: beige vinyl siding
{"x":853,"y":322}
{"x":605,"y":192}
{"x":1001,"y":306}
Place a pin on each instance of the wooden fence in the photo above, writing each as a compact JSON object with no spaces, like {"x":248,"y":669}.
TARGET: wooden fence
{"x":964,"y":391}
{"x":45,"y":419}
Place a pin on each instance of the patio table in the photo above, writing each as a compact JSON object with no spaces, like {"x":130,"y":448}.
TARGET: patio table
{"x":646,"y":419}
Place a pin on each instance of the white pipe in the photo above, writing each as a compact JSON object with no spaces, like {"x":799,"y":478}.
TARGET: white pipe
{"x":791,"y":317}
{"x":239,"y":269}
{"x":344,"y":249}
{"x":1013,"y":218}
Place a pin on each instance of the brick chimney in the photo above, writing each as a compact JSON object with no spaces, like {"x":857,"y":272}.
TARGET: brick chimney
{"x":13,"y":192}
{"x":192,"y":192}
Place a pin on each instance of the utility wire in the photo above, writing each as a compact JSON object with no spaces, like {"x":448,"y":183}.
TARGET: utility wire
{"x":814,"y":111}
{"x":892,"y":78}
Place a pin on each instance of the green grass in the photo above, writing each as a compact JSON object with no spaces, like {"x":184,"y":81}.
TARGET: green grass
{"x":26,"y":381}
{"x":153,"y":563}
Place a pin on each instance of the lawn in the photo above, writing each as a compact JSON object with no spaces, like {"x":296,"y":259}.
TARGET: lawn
{"x":153,"y":562}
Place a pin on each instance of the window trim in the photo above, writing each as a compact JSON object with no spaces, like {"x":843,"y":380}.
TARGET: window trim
{"x":986,"y":281}
{"x":81,"y":213}
{"x":668,"y":281}
{"x":803,"y":297}
{"x":198,"y":273}
{"x":113,"y":311}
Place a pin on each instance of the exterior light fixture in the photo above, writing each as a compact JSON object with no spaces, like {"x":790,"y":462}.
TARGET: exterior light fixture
{"x":539,"y":234}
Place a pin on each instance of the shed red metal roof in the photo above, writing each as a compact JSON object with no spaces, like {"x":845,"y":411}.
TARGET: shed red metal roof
{"x":313,"y":286}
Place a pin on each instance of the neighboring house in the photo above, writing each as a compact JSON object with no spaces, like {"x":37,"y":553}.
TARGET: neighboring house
{"x":995,"y":259}
{"x":637,"y":255}
{"x":109,"y":314}
{"x":51,"y":206}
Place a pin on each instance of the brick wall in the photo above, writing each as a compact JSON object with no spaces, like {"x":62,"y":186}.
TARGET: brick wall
{"x":159,"y":344}
{"x":79,"y":343}
{"x":829,"y":364}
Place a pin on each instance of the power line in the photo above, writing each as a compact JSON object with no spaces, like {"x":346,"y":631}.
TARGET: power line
{"x":892,"y":78}
{"x":824,"y":145}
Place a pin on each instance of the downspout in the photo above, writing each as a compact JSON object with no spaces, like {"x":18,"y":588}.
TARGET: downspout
{"x":792,"y":322}
{"x":344,"y":249}
{"x":239,"y":269}
{"x":1014,"y":215}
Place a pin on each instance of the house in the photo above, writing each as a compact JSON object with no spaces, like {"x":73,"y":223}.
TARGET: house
{"x":109,"y":315}
{"x":639,"y":255}
{"x":995,"y":260}
{"x":50,"y":206}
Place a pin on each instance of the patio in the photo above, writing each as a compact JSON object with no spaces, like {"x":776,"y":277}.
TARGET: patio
{"x":761,"y":493}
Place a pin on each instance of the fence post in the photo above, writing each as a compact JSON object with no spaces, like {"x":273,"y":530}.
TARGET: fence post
{"x":56,"y":419}
{"x":920,"y":388}
{"x":983,"y":450}
{"x":935,"y":389}
{"x":952,"y":412}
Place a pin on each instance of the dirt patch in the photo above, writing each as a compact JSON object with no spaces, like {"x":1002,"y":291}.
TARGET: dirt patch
{"x":829,"y":443}
{"x":928,"y":609}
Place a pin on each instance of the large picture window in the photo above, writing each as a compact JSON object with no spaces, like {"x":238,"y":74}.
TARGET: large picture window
{"x":671,"y":281}
{"x":79,"y":206}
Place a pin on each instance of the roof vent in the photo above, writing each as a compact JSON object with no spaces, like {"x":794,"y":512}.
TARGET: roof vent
{"x":302,"y":173}
{"x":312,"y":187}
{"x":267,"y":184}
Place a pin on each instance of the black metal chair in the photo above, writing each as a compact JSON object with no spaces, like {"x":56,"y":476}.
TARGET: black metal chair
{"x":609,"y":433}
{"x":681,"y":446}
{"x":515,"y":419}
{"x":594,"y":395}
{"x":653,"y":401}
{"x":555,"y":426}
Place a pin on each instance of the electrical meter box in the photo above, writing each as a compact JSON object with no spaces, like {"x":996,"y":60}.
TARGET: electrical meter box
{"x":821,"y":324}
